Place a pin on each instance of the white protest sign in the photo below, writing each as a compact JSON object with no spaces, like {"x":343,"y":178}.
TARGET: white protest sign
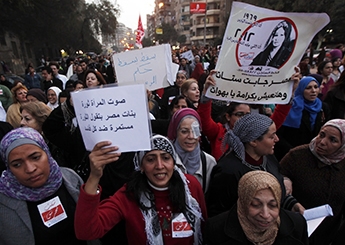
{"x":149,"y":66}
{"x":260,"y":49}
{"x":118,"y":114}
{"x":187,"y":55}
{"x":174,"y":70}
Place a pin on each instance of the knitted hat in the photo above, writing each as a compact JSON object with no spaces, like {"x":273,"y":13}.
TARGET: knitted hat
{"x":158,"y":142}
{"x":248,"y":128}
{"x":336,"y":53}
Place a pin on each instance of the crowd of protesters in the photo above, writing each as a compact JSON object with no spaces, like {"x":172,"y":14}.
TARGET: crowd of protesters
{"x":217,"y":173}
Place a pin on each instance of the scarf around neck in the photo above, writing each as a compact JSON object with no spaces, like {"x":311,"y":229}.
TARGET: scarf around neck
{"x":191,"y":160}
{"x":299,"y":104}
{"x":337,"y":156}
{"x":192,"y":214}
{"x":248,"y":186}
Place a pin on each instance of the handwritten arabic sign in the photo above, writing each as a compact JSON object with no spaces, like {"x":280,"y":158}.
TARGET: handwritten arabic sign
{"x":118,"y":114}
{"x":149,"y":66}
{"x":188,"y":55}
{"x":259,"y":51}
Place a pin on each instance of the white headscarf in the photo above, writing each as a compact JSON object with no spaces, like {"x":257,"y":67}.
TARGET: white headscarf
{"x":57,"y":91}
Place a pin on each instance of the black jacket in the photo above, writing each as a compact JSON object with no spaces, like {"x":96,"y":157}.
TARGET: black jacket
{"x":292,"y":137}
{"x":222,"y":192}
{"x":335,"y":99}
{"x":225,"y":229}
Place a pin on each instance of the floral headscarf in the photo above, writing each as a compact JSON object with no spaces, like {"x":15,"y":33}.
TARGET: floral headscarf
{"x":9,"y":185}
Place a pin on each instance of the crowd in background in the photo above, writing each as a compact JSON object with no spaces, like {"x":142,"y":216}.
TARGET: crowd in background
{"x":291,"y":156}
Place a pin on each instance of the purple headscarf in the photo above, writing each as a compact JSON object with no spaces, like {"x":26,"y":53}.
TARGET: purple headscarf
{"x":9,"y":185}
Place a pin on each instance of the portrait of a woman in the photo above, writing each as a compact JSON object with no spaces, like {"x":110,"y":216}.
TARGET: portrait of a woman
{"x":278,"y":47}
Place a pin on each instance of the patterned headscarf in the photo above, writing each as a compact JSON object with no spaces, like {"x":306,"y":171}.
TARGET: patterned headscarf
{"x":9,"y":185}
{"x":294,"y":117}
{"x":248,"y":186}
{"x":248,"y":128}
{"x":158,"y":142}
{"x":340,"y":153}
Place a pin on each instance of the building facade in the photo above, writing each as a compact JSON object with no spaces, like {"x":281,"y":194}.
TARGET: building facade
{"x":192,"y":26}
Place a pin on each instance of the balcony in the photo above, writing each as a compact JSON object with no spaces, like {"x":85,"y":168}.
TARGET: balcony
{"x":201,"y":38}
{"x":213,"y":11}
{"x":212,"y":24}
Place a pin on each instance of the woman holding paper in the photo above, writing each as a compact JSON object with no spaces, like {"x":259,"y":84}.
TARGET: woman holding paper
{"x":154,"y":203}
{"x":257,"y":217}
{"x":215,"y":131}
{"x":317,"y":172}
{"x":32,"y":182}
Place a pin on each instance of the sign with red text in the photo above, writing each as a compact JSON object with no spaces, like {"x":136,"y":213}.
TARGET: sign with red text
{"x":260,"y":49}
{"x":197,"y":8}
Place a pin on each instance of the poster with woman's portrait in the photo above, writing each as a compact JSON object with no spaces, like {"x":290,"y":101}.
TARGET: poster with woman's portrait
{"x":260,"y":49}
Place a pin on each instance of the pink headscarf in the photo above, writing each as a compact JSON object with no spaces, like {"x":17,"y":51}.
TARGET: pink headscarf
{"x":340,"y":153}
{"x":177,"y":118}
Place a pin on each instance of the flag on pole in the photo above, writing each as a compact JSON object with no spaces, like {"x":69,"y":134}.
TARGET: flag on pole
{"x":140,"y":34}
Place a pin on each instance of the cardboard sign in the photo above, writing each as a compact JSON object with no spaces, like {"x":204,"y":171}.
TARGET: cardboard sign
{"x":149,"y":66}
{"x":260,"y":49}
{"x":118,"y":114}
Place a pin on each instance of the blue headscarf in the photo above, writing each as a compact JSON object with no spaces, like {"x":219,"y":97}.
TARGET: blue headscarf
{"x":9,"y":185}
{"x":299,"y":104}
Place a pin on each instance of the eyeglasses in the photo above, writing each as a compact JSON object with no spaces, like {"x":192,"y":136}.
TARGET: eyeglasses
{"x":240,"y":114}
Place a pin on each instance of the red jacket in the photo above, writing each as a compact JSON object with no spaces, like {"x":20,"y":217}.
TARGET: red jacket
{"x":215,"y":131}
{"x":94,"y":219}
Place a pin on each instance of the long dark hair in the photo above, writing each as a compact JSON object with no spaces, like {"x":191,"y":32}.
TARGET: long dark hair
{"x":287,"y":32}
{"x":139,"y":184}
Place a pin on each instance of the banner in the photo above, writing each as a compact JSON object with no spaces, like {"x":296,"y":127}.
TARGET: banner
{"x":116,"y":114}
{"x":197,"y":8}
{"x":150,"y":66}
{"x":260,"y":49}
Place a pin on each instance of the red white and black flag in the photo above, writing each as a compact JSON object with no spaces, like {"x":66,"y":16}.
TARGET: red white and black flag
{"x":140,"y":34}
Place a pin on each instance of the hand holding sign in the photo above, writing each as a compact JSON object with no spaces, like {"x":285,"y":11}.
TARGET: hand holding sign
{"x":260,"y":49}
